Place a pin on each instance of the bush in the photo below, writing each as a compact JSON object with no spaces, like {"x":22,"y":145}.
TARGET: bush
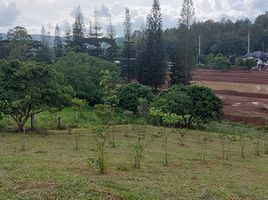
{"x":246,"y":63}
{"x":129,"y":95}
{"x":83,"y":73}
{"x":219,"y":61}
{"x":197,"y":105}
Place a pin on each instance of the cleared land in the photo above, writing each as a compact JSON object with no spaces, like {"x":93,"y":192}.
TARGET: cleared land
{"x":244,"y":93}
{"x":52,"y":169}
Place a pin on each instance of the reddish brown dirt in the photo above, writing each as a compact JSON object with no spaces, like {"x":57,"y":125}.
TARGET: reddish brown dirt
{"x":249,"y":108}
{"x":251,"y":77}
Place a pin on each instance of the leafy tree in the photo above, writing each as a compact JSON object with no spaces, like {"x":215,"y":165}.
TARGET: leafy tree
{"x":129,"y":95}
{"x":83,"y":73}
{"x":29,"y":88}
{"x":154,"y":70}
{"x":197,"y":105}
{"x":58,"y":45}
{"x":128,"y":53}
{"x":20,"y":41}
{"x":218,"y":62}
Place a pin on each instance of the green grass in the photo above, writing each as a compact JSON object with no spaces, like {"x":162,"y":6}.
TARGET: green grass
{"x":48,"y":120}
{"x":52,"y":169}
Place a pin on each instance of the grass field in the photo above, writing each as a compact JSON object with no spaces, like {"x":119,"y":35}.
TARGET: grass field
{"x":52,"y":169}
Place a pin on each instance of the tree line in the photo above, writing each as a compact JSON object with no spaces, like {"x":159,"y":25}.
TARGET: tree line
{"x":151,"y":55}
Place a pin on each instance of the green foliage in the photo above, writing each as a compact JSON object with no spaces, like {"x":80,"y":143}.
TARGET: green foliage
{"x":154,"y":68}
{"x":156,"y":115}
{"x":83,"y":73}
{"x":108,"y":84}
{"x":218,"y":62}
{"x":104,"y":113}
{"x":129,"y":96}
{"x":246,"y":63}
{"x":171,"y":119}
{"x":197,"y":105}
{"x":29,"y":88}
{"x":101,"y":135}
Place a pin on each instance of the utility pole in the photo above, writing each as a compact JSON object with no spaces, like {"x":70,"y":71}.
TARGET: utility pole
{"x":199,"y":48}
{"x":249,"y":39}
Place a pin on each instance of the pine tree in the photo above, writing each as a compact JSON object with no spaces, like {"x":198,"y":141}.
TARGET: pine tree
{"x":155,"y":68}
{"x":140,"y":38}
{"x":58,"y":46}
{"x":181,"y":71}
{"x":111,"y":35}
{"x":128,"y":53}
{"x":96,"y":34}
{"x":68,"y":34}
{"x":78,"y":27}
{"x":44,"y":54}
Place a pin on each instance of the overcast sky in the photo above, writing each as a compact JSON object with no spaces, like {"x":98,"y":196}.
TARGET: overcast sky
{"x":33,"y":13}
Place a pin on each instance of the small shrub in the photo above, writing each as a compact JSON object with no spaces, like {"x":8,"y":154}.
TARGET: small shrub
{"x":203,"y":144}
{"x":245,"y":63}
{"x":101,"y":138}
{"x":122,"y":167}
{"x":266,"y":145}
{"x":127,"y":117}
{"x":129,"y":96}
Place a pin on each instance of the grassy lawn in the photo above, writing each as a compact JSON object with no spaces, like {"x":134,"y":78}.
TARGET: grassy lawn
{"x":52,"y":169}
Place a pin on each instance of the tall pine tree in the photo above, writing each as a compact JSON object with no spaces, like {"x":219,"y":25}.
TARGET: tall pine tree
{"x":68,"y":34}
{"x":181,"y":71}
{"x":78,"y":27}
{"x":128,"y":53}
{"x":154,"y":71}
{"x":58,"y":46}
{"x":111,"y":35}
{"x":140,"y":38}
{"x":44,"y":54}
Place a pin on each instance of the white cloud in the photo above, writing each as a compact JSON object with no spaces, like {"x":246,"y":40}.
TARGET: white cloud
{"x":8,"y":13}
{"x":34,"y":13}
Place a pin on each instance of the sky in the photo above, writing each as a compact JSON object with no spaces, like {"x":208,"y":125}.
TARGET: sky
{"x":33,"y":13}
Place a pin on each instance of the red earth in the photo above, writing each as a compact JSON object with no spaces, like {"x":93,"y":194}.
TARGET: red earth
{"x":244,"y":107}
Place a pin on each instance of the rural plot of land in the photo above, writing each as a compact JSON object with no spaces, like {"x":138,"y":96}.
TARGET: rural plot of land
{"x":245,"y":94}
{"x":52,"y":169}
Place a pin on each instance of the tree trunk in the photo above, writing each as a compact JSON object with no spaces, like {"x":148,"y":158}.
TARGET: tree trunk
{"x":59,"y":119}
{"x":33,"y":122}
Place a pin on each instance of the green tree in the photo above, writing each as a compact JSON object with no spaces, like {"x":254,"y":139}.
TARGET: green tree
{"x":20,"y":41}
{"x":111,"y":35}
{"x":44,"y":54}
{"x":154,"y":70}
{"x":128,"y":53}
{"x":183,"y":62}
{"x":29,"y":88}
{"x":83,"y":73}
{"x":197,"y":105}
{"x":58,"y":45}
{"x":129,"y":96}
{"x":78,"y":27}
{"x":68,"y":34}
